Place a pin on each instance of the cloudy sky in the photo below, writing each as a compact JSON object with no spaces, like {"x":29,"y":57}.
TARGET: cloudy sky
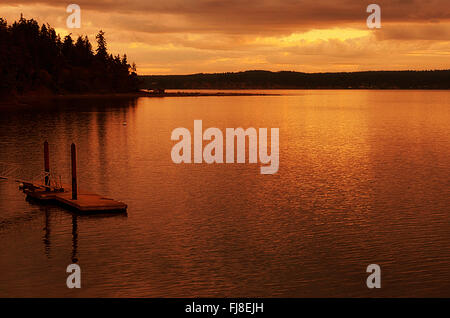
{"x":193,"y":36}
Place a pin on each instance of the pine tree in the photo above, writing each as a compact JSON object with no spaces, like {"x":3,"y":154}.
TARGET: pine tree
{"x":102,"y":51}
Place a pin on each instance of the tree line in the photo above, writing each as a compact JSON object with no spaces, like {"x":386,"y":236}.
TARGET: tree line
{"x":439,"y":79}
{"x":35,"y":59}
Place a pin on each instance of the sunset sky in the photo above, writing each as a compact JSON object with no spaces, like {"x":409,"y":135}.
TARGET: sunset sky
{"x":193,"y":36}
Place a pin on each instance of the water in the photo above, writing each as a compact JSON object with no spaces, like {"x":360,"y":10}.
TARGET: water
{"x":364,"y":178}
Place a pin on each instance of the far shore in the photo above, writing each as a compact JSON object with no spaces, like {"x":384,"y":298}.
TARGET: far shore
{"x":30,"y":98}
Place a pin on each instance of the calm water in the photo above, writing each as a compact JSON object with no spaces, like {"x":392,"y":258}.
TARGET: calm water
{"x":364,"y":178}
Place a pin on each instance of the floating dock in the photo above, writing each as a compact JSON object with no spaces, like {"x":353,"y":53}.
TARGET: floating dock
{"x":86,"y":202}
{"x":73,"y":199}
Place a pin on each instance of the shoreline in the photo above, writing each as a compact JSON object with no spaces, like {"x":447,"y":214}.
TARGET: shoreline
{"x":26,"y":99}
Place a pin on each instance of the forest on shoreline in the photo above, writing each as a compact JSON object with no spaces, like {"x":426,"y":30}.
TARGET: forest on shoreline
{"x":35,"y":60}
{"x":436,"y":79}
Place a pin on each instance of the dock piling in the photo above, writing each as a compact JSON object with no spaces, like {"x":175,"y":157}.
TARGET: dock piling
{"x":46,"y":164}
{"x":74,"y":172}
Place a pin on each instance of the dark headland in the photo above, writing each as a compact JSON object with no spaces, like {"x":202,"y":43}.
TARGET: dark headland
{"x":36,"y":61}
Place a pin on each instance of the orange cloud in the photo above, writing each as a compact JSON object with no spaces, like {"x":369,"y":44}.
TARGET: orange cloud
{"x":179,"y":36}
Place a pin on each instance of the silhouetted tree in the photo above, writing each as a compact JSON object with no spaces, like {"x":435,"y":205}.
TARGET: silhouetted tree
{"x":102,"y":52}
{"x":34,"y":58}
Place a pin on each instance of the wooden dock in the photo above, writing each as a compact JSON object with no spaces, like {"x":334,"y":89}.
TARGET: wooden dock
{"x":73,"y":199}
{"x":90,"y":202}
{"x":86,"y":202}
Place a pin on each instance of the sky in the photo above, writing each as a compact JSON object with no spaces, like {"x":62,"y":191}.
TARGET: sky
{"x":210,"y":36}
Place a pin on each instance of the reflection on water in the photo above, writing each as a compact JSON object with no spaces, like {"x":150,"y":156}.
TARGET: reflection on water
{"x":74,"y":239}
{"x":364,"y":178}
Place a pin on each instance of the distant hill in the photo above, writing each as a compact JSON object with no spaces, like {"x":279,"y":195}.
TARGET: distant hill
{"x":295,"y":80}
